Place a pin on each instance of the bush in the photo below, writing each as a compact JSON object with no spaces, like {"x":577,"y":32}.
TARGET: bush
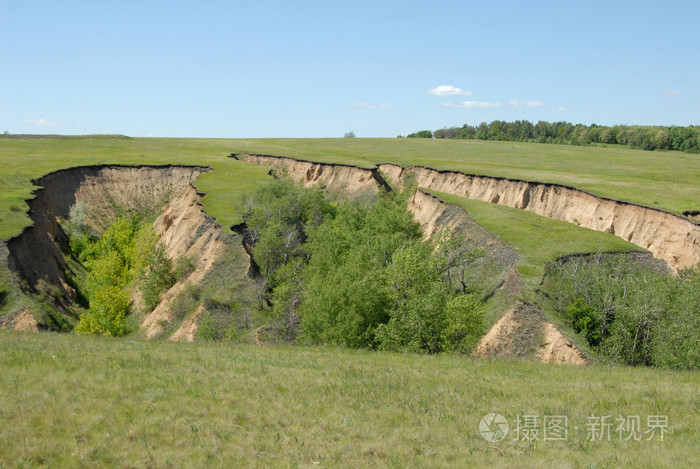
{"x":157,"y":278}
{"x":184,"y":266}
{"x":583,"y":319}
{"x":109,"y":307}
{"x":421,"y":134}
{"x":358,"y":276}
{"x":112,"y":263}
{"x":464,"y":324}
{"x":677,"y":336}
{"x":630,"y":313}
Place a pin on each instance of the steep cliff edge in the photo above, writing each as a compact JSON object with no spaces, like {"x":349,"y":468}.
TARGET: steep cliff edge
{"x":35,"y":255}
{"x":522,"y":331}
{"x":667,"y":236}
{"x":184,"y":230}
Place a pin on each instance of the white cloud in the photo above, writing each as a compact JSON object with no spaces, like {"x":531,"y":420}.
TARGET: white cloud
{"x":473,"y":104}
{"x":41,"y":122}
{"x":448,"y":90}
{"x":373,"y":107}
{"x":669,"y":93}
{"x":518,"y":103}
{"x":557,"y":109}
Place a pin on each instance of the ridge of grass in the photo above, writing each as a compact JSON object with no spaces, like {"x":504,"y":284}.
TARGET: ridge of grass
{"x":27,"y":159}
{"x":536,"y":238}
{"x":667,"y":180}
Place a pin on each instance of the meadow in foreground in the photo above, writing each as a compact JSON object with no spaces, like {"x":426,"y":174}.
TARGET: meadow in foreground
{"x":68,"y":401}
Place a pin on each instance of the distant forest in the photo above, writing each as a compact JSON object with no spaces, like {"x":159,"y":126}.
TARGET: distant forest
{"x":685,"y":139}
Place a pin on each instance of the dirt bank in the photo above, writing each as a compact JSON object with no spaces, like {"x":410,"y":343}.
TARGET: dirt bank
{"x":352,"y":181}
{"x":670,"y":237}
{"x":184,"y":230}
{"x":523,"y":332}
{"x":22,"y":320}
{"x":35,"y":254}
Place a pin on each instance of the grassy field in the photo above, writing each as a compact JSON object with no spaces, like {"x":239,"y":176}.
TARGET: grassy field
{"x":72,"y":401}
{"x":537,"y":239}
{"x":33,"y":158}
{"x":666,"y":180}
{"x":68,"y":400}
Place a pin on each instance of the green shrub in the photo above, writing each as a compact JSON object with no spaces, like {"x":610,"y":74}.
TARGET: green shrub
{"x":417,"y":301}
{"x":157,"y":279}
{"x":464,"y":324}
{"x":184,"y":266}
{"x":583,"y":319}
{"x":357,"y":276}
{"x":631,"y":313}
{"x":109,"y":306}
{"x":111,"y":262}
{"x":677,"y":336}
{"x":421,"y":134}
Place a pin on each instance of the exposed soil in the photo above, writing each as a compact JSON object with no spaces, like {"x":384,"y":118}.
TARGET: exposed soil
{"x":188,"y":328}
{"x":670,"y":237}
{"x":184,"y":230}
{"x":35,"y":255}
{"x":523,"y":333}
{"x":351,"y":181}
{"x":555,"y":348}
{"x":22,"y":320}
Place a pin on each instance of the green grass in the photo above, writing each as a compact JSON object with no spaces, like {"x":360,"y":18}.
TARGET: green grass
{"x":667,"y":180}
{"x":25,"y":159}
{"x":72,"y":401}
{"x":537,"y":239}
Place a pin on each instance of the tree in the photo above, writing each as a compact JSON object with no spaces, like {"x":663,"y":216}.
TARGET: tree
{"x":446,"y":133}
{"x":421,"y":134}
{"x":350,"y":134}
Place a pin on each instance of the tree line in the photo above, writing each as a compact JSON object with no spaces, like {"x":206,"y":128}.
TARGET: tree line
{"x":686,"y":139}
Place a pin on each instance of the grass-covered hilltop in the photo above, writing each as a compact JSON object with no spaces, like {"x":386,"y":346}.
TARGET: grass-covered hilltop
{"x":348,"y":302}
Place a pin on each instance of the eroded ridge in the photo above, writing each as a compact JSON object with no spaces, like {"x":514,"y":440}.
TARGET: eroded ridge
{"x":107,"y":190}
{"x":667,"y":236}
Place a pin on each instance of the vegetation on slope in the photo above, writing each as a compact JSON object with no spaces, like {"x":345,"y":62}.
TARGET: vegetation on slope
{"x":665,"y":180}
{"x":539,"y":240}
{"x":114,"y":261}
{"x":630,"y":312}
{"x":360,"y":276}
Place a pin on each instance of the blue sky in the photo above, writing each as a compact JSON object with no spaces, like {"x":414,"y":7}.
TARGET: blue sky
{"x":320,"y":68}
